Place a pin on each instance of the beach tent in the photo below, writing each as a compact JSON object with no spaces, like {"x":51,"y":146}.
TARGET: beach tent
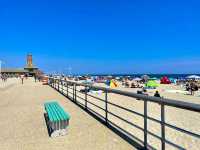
{"x":111,"y":83}
{"x":151,"y":84}
{"x":137,"y":79}
{"x":172,"y":80}
{"x":193,"y":77}
{"x":165,"y":80}
{"x":145,"y":78}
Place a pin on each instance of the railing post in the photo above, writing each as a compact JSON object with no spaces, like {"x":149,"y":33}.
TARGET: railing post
{"x":75,"y":92}
{"x":62,"y":86}
{"x":145,"y":124}
{"x":163,"y":125}
{"x":86,"y":97}
{"x":53,"y":83}
{"x":67,"y":90}
{"x":58,"y":84}
{"x":106,"y":107}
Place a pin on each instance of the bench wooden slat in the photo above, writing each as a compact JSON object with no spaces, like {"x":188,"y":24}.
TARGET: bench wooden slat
{"x":64,"y":114}
{"x":61,"y":111}
{"x":56,"y":117}
{"x":58,"y":112}
{"x":49,"y":112}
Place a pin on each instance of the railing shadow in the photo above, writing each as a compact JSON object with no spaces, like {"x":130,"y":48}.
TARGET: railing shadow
{"x":117,"y":131}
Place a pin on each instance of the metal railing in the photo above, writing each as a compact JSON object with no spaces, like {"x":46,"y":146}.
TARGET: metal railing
{"x":64,"y":87}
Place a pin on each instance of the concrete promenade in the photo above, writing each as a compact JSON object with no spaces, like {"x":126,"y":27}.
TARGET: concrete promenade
{"x":23,"y":125}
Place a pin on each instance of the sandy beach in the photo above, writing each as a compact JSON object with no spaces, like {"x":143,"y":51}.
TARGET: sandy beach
{"x":22,"y":115}
{"x":23,"y":125}
{"x":178,"y":117}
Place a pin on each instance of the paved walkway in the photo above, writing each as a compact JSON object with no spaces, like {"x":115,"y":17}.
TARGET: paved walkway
{"x":23,"y":125}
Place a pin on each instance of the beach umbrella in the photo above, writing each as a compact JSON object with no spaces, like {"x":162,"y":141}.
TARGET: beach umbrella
{"x":117,"y":78}
{"x":193,"y":77}
{"x":145,"y":77}
{"x":152,"y":84}
{"x":109,"y":77}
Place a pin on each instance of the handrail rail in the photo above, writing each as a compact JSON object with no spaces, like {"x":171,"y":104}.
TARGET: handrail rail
{"x":168,"y":102}
{"x":58,"y":85}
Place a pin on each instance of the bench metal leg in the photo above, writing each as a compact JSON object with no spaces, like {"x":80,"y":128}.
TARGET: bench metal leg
{"x":58,"y":128}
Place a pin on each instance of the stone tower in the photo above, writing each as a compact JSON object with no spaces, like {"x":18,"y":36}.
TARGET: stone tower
{"x":29,"y":65}
{"x":29,"y":61}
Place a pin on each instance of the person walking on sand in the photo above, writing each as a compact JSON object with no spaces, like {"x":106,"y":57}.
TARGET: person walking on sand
{"x":22,"y":78}
{"x":35,"y":78}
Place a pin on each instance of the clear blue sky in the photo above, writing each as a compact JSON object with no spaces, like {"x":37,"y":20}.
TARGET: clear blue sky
{"x":102,"y":36}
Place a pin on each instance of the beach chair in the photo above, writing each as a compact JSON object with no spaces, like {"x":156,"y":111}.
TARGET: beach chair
{"x":57,"y":119}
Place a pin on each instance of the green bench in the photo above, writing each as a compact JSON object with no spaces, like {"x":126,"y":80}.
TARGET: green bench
{"x":57,"y":119}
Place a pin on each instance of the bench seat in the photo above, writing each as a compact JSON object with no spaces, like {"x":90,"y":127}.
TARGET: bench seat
{"x":57,"y":119}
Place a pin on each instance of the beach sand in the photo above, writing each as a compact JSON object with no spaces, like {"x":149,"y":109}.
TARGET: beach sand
{"x":178,"y":117}
{"x":23,"y":125}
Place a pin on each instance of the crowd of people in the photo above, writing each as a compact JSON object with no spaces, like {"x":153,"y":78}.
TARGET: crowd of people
{"x":4,"y":77}
{"x":192,"y":87}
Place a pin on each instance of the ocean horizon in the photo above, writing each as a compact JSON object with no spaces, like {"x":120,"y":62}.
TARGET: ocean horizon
{"x":139,"y":75}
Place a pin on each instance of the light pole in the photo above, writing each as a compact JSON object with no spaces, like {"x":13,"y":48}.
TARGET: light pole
{"x":0,"y":66}
{"x":69,"y":70}
{"x":1,"y":62}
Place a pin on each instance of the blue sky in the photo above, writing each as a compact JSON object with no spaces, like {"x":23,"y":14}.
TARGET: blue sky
{"x":102,"y":36}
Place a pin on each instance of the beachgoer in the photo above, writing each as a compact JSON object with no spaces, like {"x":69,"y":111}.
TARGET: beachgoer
{"x":22,"y":78}
{"x":145,"y":92}
{"x":35,"y":78}
{"x":192,"y":88}
{"x":157,"y":94}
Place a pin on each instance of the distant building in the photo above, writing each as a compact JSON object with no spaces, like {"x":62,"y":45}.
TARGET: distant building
{"x":29,"y":65}
{"x":29,"y":69}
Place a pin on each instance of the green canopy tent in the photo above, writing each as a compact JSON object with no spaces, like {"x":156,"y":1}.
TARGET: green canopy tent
{"x":151,"y":84}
